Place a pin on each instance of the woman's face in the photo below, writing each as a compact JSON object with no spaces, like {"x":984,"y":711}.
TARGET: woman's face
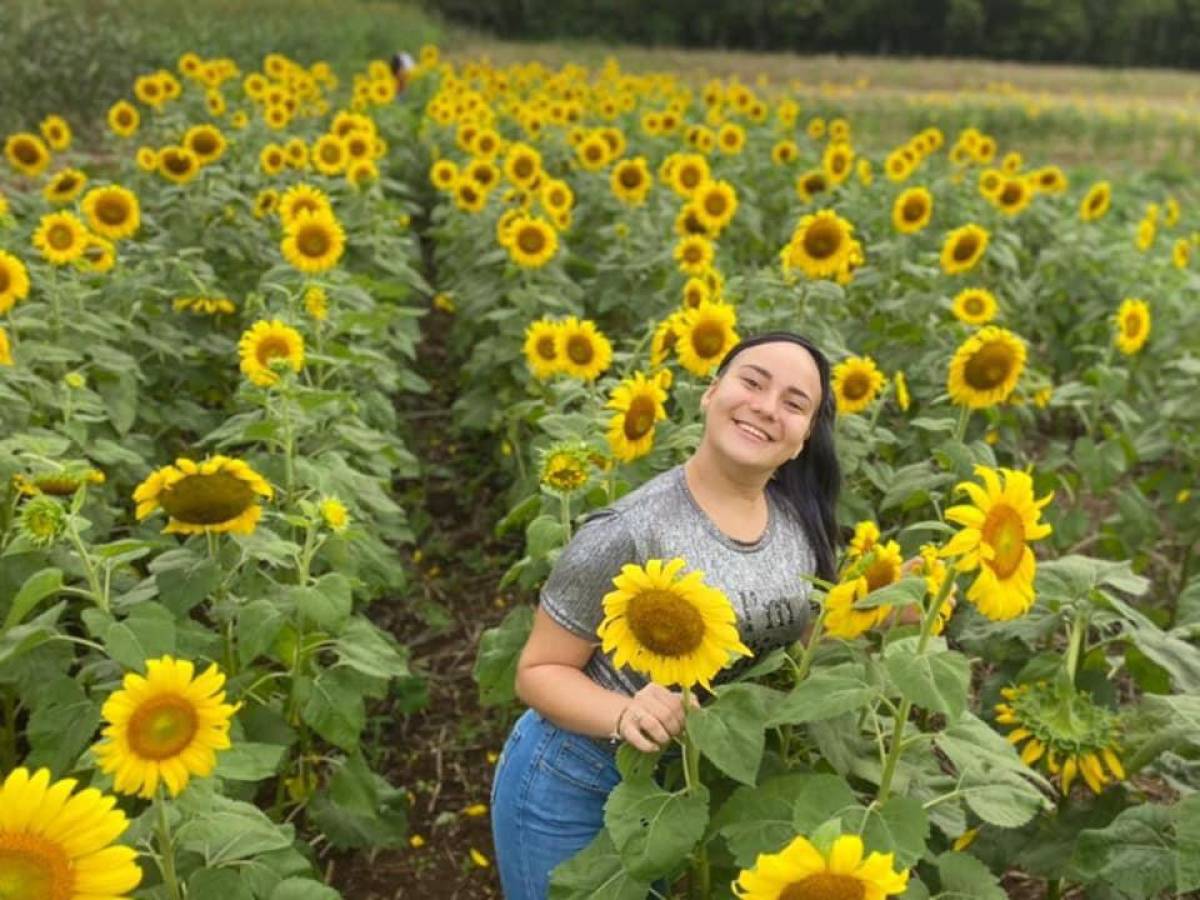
{"x":759,"y":412}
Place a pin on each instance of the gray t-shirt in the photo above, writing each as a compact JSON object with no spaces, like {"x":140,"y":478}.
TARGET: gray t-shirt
{"x":661,"y":520}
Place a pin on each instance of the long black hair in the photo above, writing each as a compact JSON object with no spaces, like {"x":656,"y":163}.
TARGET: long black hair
{"x":811,"y":482}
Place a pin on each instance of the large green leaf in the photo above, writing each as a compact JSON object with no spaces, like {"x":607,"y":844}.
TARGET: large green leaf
{"x":360,"y":809}
{"x":967,"y":877}
{"x":654,"y":830}
{"x":900,"y":826}
{"x":223,"y":830}
{"x":37,"y":587}
{"x":825,"y":693}
{"x":994,"y":782}
{"x":333,"y":706}
{"x":61,"y":725}
{"x":148,"y":632}
{"x":935,"y":680}
{"x":1133,"y":853}
{"x":1187,"y":839}
{"x":596,"y":873}
{"x":729,"y":731}
{"x":499,"y":650}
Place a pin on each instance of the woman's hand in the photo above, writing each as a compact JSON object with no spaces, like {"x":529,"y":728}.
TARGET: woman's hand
{"x":653,"y":717}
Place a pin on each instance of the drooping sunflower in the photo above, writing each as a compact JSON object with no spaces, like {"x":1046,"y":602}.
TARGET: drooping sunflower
{"x":974,"y":306}
{"x":14,"y":281}
{"x":1096,"y":201}
{"x":60,"y":237}
{"x":674,"y":631}
{"x":802,"y":872}
{"x":313,"y":242}
{"x":1013,"y":196}
{"x":541,"y":349}
{"x":877,"y":568}
{"x":302,"y":198}
{"x":206,"y":141}
{"x":705,"y":335}
{"x":639,"y":403}
{"x":630,"y":181}
{"x":566,"y":467}
{"x":912,"y":210}
{"x":164,"y":727}
{"x":998,"y":524}
{"x":820,"y":244}
{"x":178,"y":164}
{"x":857,"y":381}
{"x":263,"y":343}
{"x":217,"y":495}
{"x":112,"y":211}
{"x":986,"y":367}
{"x":27,"y":153}
{"x":583,"y":351}
{"x":532,"y":242}
{"x":1131,"y":325}
{"x":1065,"y":731}
{"x":64,"y":186}
{"x":123,"y":118}
{"x":56,"y":843}
{"x":715,"y":203}
{"x":963,"y":248}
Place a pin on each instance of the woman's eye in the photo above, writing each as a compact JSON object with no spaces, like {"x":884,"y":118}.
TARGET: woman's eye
{"x":750,"y":382}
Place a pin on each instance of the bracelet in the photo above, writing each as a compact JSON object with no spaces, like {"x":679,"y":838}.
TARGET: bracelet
{"x":615,"y":737}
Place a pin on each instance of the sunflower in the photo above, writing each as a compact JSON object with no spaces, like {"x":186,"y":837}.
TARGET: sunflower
{"x":112,"y":211}
{"x":640,"y":403}
{"x":877,"y":568}
{"x":593,"y":153}
{"x":631,"y":181}
{"x":694,"y":254}
{"x":64,"y":186}
{"x":897,"y":166}
{"x":820,"y":244}
{"x":705,"y":335}
{"x":811,"y":183}
{"x":1096,"y":201}
{"x":313,"y":242}
{"x":266,"y":202}
{"x":443,"y":174}
{"x":6,"y":357}
{"x":214,"y":496}
{"x":329,"y":154}
{"x":99,"y":255}
{"x":14,"y":281}
{"x":56,"y":843}
{"x":265,"y":342}
{"x":566,"y":467}
{"x":1013,"y":196}
{"x":1050,"y":180}
{"x":674,"y":631}
{"x":784,"y":152}
{"x":715,"y":203}
{"x":974,"y":306}
{"x":986,"y":367}
{"x":556,"y":196}
{"x":990,"y":182}
{"x":688,"y":173}
{"x":1065,"y":731}
{"x":583,"y":352}
{"x":695,"y":292}
{"x":523,"y":164}
{"x":997,"y":527}
{"x":837,"y":161}
{"x":1131,"y":325}
{"x":532,"y":242}
{"x":856,"y":383}
{"x":164,"y":726}
{"x":541,"y":349}
{"x":912,"y":210}
{"x":300,"y":199}
{"x":27,"y":153}
{"x":903,"y":398}
{"x":484,"y":173}
{"x":866,"y":536}
{"x":1145,"y":234}
{"x":178,"y":164}
{"x":802,"y":872}
{"x":963,"y":248}
{"x":666,"y":334}
{"x":123,"y":118}
{"x":731,"y":138}
{"x":206,"y":141}
{"x":146,"y":159}
{"x":272,"y":158}
{"x":815,"y":128}
{"x":865,"y":174}
{"x":60,"y":237}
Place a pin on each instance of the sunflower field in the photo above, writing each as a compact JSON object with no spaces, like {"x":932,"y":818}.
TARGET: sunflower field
{"x":214,"y":296}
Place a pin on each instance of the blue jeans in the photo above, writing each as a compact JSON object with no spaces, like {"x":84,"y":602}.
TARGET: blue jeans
{"x":547,"y":802}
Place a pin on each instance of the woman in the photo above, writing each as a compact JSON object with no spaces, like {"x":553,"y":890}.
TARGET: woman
{"x":753,"y":508}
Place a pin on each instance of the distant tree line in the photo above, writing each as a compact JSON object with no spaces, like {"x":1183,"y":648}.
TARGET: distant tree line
{"x":1099,"y":32}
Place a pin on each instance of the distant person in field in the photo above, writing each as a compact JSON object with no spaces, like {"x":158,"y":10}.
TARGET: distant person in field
{"x":753,"y":508}
{"x":402,"y":66}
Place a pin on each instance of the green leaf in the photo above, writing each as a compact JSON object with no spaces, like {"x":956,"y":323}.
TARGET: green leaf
{"x":596,"y":873}
{"x":367,"y":649}
{"x":655,"y":830}
{"x":499,"y":648}
{"x":993,"y":780}
{"x":224,"y":883}
{"x":634,"y":765}
{"x":327,"y":603}
{"x":1187,"y":838}
{"x":148,"y":632}
{"x":18,"y":641}
{"x":900,"y":826}
{"x":37,"y":587}
{"x":60,"y":726}
{"x":545,"y":533}
{"x":936,"y":681}
{"x":824,"y":694}
{"x":905,"y":592}
{"x":249,"y":761}
{"x":729,"y":731}
{"x":303,"y":889}
{"x":965,"y":876}
{"x":333,"y":706}
{"x":184,"y":579}
{"x":223,"y":830}
{"x":1074,"y":577}
{"x":259,"y":624}
{"x":360,"y":809}
{"x":1132,"y":853}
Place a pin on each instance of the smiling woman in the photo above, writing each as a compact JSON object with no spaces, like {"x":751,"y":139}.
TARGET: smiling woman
{"x":750,"y":515}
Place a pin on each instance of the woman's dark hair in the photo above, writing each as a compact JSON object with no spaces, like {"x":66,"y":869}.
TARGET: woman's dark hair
{"x":810,"y":483}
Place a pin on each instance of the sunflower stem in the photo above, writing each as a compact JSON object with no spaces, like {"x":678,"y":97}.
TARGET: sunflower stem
{"x":564,"y":508}
{"x":964,"y":418}
{"x":99,"y":596}
{"x":701,"y":877}
{"x":810,"y":648}
{"x":1078,"y":629}
{"x":8,"y":737}
{"x":166,"y":849}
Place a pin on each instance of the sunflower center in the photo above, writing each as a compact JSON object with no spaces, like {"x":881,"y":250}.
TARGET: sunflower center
{"x":1133,"y":325}
{"x":61,"y":237}
{"x":814,"y":184}
{"x":162,"y":727}
{"x":112,"y":211}
{"x":204,"y":144}
{"x":207,"y":499}
{"x":26,"y":152}
{"x":973,"y":305}
{"x":708,"y":339}
{"x":881,"y":574}
{"x":33,"y":868}
{"x":313,"y":241}
{"x":557,"y":199}
{"x":124,"y":118}
{"x":856,"y":386}
{"x":838,"y":164}
{"x":1096,"y":200}
{"x":304,"y":204}
{"x":177,"y":163}
{"x":270,"y":348}
{"x":665,"y":623}
{"x":824,"y":886}
{"x":914,"y":209}
{"x":531,"y":240}
{"x":5,"y":280}
{"x":545,"y":347}
{"x":689,"y":176}
{"x":66,"y":183}
{"x":1011,"y":195}
{"x":989,"y":367}
{"x":822,"y":240}
{"x":580,"y":349}
{"x":714,"y":204}
{"x":1004,"y":530}
{"x":523,"y":168}
{"x":631,"y":177}
{"x":639,"y":419}
{"x":331,"y":153}
{"x":965,"y":247}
